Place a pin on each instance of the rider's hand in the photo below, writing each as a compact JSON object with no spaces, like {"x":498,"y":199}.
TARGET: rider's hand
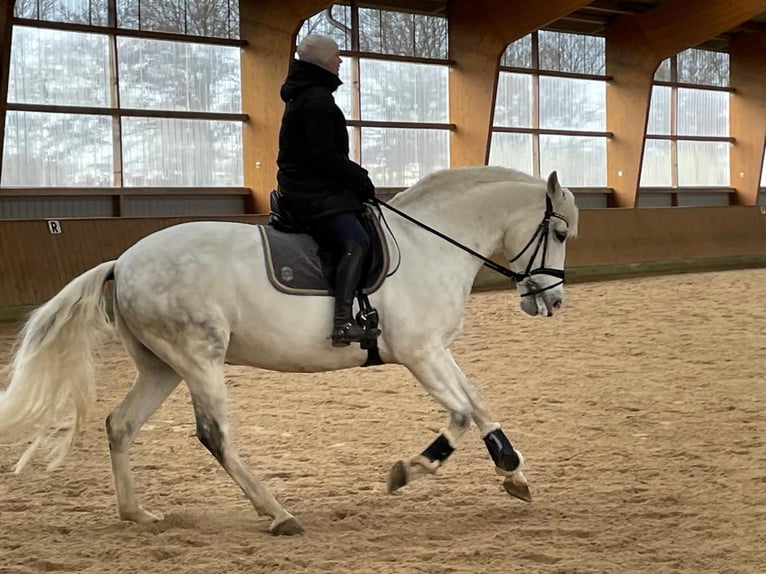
{"x":366,"y":189}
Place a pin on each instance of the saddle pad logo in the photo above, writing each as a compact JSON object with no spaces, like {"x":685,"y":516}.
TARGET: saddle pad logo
{"x":286,"y":273}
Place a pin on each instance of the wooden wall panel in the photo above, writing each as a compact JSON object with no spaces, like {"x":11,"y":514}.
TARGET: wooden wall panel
{"x":619,"y":236}
{"x":34,"y":265}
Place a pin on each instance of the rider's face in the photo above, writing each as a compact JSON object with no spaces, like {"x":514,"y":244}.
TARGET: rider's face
{"x":333,"y":63}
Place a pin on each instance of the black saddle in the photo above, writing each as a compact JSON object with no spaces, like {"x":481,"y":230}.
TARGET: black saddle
{"x":295,"y":264}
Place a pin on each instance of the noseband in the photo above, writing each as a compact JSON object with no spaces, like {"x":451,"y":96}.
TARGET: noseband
{"x":541,"y":235}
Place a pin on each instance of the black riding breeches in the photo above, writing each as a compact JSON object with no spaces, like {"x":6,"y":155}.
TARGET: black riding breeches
{"x":339,"y":233}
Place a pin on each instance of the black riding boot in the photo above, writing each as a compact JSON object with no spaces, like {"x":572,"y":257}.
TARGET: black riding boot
{"x":347,"y":276}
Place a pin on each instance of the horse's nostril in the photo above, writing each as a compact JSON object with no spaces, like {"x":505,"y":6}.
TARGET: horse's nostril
{"x":557,"y":304}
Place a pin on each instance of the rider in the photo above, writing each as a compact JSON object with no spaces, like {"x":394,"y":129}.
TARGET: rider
{"x":321,"y":187}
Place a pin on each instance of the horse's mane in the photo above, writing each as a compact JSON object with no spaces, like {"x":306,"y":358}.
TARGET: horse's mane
{"x":447,"y":179}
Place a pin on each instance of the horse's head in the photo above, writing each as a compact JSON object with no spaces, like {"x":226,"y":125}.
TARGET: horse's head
{"x":540,"y":252}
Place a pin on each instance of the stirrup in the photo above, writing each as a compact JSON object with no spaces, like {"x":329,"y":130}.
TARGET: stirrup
{"x":345,"y":335}
{"x":342,"y":337}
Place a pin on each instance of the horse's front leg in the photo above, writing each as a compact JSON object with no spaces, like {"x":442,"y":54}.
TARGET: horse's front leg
{"x":508,"y":461}
{"x":437,"y":376}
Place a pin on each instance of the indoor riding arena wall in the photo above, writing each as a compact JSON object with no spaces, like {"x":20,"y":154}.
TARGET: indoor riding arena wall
{"x":35,"y":263}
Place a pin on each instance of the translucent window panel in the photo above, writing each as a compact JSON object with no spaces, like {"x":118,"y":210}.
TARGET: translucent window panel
{"x":703,"y":164}
{"x":57,"y":150}
{"x":402,"y":34}
{"x":518,"y":54}
{"x":53,"y":67}
{"x":572,"y":104}
{"x":513,"y":104}
{"x":659,"y":111}
{"x":512,"y":150}
{"x":72,"y":11}
{"x":174,"y":152}
{"x":344,"y":94}
{"x":703,"y":67}
{"x":703,"y":113}
{"x":215,"y":18}
{"x":403,"y":91}
{"x":763,"y":172}
{"x":575,"y":53}
{"x":579,"y":161}
{"x":334,"y":22}
{"x":656,"y":170}
{"x":400,"y":157}
{"x":162,"y":75}
{"x":664,"y":71}
{"x":353,"y":149}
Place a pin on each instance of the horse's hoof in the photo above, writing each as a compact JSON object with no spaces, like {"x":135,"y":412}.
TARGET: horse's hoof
{"x":288,"y":527}
{"x":397,"y":477}
{"x":140,"y":516}
{"x":518,"y":490}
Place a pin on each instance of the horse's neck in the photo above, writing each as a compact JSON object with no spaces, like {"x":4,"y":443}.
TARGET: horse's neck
{"x":476,"y":218}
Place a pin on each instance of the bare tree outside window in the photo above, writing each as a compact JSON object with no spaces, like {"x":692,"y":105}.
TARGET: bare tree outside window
{"x":52,"y":68}
{"x":528,"y":102}
{"x":92,"y":12}
{"x":703,"y":67}
{"x":518,"y":54}
{"x":334,"y":22}
{"x":573,"y":53}
{"x":402,"y":34}
{"x":664,"y":71}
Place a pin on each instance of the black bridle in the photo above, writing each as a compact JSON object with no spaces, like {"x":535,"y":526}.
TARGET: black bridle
{"x":540,"y":235}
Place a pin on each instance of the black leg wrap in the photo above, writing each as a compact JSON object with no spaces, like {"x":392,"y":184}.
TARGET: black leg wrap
{"x":439,"y":450}
{"x":501,"y":451}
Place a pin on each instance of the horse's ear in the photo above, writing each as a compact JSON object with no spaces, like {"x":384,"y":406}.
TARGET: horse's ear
{"x":554,"y":187}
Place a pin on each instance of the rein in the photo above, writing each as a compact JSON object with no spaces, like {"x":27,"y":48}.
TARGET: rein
{"x":541,"y":234}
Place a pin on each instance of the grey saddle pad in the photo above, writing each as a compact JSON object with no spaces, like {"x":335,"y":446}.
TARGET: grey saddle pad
{"x":294,"y":265}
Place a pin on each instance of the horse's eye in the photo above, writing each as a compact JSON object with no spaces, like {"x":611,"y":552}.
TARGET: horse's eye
{"x":561,"y":237}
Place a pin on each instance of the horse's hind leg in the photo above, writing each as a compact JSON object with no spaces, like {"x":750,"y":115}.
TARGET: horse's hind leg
{"x":208,"y":392}
{"x":155,"y":381}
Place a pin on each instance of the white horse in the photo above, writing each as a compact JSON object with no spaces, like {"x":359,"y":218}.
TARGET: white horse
{"x":193,"y":297}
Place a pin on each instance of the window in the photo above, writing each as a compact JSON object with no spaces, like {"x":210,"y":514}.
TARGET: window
{"x":97,"y":108}
{"x":763,"y":169}
{"x":687,"y":141}
{"x":550,"y":108}
{"x":762,"y":186}
{"x":394,"y":93}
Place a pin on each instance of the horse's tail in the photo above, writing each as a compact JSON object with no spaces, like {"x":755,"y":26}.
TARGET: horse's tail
{"x":52,"y":376}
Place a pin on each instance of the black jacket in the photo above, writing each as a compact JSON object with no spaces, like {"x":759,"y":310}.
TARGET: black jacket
{"x":315,"y":175}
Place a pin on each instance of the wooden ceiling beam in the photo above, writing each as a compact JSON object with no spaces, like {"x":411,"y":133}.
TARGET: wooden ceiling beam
{"x":679,"y":24}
